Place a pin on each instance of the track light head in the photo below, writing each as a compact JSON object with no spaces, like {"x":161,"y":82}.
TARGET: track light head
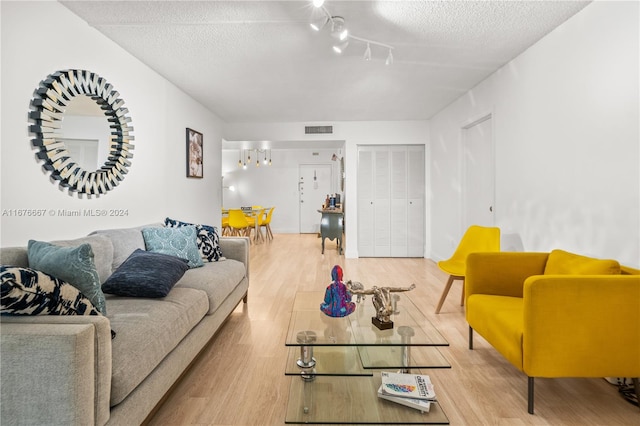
{"x":338,"y":28}
{"x":389,"y":60}
{"x":367,"y":53}
{"x":319,"y":24}
{"x":339,"y":48}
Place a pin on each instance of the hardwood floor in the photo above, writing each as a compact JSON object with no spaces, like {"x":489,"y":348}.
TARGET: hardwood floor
{"x":239,"y":377}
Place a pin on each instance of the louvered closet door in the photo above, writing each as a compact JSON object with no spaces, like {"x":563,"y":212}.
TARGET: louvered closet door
{"x":391,"y":201}
{"x":399,"y":211}
{"x":365,"y":203}
{"x":381,"y":204}
{"x":415,"y":201}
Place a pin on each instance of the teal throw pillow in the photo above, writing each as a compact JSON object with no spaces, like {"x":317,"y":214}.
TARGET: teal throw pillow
{"x":74,"y":265}
{"x":179,"y":242}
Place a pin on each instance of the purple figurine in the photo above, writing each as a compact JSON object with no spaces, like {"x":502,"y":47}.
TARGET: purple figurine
{"x":337,"y":298}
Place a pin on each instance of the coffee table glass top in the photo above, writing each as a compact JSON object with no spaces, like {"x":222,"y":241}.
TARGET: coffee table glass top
{"x":353,"y":346}
{"x":411,"y":327}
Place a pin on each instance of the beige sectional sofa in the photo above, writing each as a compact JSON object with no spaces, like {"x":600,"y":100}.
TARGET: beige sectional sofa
{"x":67,"y":370}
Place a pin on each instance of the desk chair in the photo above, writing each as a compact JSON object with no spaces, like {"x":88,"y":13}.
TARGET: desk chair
{"x":475,"y":239}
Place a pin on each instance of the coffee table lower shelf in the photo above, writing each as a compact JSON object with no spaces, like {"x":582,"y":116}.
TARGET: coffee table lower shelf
{"x":351,"y":400}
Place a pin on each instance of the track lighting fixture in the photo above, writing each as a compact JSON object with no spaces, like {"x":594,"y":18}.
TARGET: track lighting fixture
{"x":340,"y":31}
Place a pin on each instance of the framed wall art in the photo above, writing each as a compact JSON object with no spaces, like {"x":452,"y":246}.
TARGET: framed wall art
{"x":194,"y":154}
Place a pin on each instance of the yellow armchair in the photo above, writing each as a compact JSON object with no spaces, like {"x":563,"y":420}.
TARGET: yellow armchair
{"x":556,"y":324}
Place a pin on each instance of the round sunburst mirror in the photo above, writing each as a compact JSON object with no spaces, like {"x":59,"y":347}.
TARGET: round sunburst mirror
{"x":50,"y":112}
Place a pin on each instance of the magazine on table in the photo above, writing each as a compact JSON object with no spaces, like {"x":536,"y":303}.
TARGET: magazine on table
{"x":406,"y":385}
{"x":419,"y":404}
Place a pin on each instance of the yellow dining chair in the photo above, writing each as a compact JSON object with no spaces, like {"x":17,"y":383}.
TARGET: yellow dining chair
{"x":226,"y":229}
{"x":265,"y":221}
{"x":475,"y":239}
{"x":238,"y":223}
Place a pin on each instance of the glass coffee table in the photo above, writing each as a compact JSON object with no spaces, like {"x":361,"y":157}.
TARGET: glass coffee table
{"x":338,"y":363}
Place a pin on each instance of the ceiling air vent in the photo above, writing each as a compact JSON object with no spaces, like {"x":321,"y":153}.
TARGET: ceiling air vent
{"x":316,"y":130}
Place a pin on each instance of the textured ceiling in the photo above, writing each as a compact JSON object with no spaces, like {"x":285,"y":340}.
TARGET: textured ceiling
{"x":259,"y":61}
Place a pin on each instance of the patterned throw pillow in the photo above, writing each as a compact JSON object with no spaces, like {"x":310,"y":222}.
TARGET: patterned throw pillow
{"x":179,"y":242}
{"x":25,"y":291}
{"x":208,"y":239}
{"x":73,"y":265}
{"x":146,"y":274}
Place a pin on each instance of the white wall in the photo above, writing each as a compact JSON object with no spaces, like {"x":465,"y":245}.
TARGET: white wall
{"x":354,"y":133}
{"x":39,"y":38}
{"x":275,"y":185}
{"x":566,"y":141}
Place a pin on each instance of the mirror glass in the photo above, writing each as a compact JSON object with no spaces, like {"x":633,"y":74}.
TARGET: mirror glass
{"x":85,"y":132}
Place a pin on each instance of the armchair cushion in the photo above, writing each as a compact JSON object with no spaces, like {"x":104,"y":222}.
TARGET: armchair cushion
{"x":561,"y":262}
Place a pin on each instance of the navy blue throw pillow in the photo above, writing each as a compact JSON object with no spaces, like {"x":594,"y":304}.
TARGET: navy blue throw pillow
{"x":146,"y":274}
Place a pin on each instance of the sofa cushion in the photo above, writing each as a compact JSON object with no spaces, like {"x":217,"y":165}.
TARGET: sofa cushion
{"x":217,"y":279}
{"x":74,"y":265}
{"x":148,"y":330}
{"x":146,"y":274}
{"x":125,"y":241}
{"x":208,"y":239}
{"x":564,"y":263}
{"x":25,"y":291}
{"x":180,"y":242}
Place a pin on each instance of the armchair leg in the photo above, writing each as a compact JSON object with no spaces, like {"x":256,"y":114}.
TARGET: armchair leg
{"x":470,"y":338}
{"x":530,"y":395}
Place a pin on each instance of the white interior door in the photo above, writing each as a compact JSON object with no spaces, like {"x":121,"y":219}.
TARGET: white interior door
{"x":479,"y":174}
{"x":314,"y":183}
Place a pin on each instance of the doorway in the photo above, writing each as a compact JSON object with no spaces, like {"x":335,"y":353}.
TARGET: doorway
{"x":314,"y":183}
{"x":478,"y":194}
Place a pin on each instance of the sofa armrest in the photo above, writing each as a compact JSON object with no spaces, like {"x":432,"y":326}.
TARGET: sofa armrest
{"x":236,"y":248}
{"x":55,"y":367}
{"x":501,"y":273}
{"x":582,"y":326}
